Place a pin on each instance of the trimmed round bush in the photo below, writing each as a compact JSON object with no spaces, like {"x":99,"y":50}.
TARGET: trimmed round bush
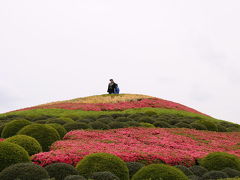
{"x":147,"y":125}
{"x":198,"y":126}
{"x":185,"y":170}
{"x":133,"y":167}
{"x":44,"y":134}
{"x":106,"y":175}
{"x":75,"y":177}
{"x":221,"y":128}
{"x":105,"y":120}
{"x":116,"y":125}
{"x":214,"y":175}
{"x":123,"y":119}
{"x":30,"y":144}
{"x":60,"y":170}
{"x":211,"y":126}
{"x":150,"y":113}
{"x":11,"y":154}
{"x":60,"y":129}
{"x":74,"y":117}
{"x":41,"y":121}
{"x":99,"y":125}
{"x":183,"y":125}
{"x":1,"y":128}
{"x":156,"y":171}
{"x":198,"y":170}
{"x":146,"y":120}
{"x":117,"y":115}
{"x":194,"y":177}
{"x":98,"y":162}
{"x":220,"y":160}
{"x":24,"y":171}
{"x":162,"y":124}
{"x":133,"y":124}
{"x":11,"y":128}
{"x":60,"y":120}
{"x":231,"y":172}
{"x":75,"y":126}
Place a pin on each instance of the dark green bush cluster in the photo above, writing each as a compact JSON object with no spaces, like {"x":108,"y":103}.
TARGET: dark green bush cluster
{"x":75,"y":177}
{"x":133,"y":167}
{"x":59,"y":128}
{"x":106,"y":175}
{"x":44,"y":134}
{"x":12,"y":127}
{"x":30,"y":144}
{"x":11,"y":154}
{"x":220,"y":160}
{"x":76,"y":125}
{"x":159,"y":171}
{"x":60,"y":170}
{"x":99,"y":162}
{"x":24,"y":171}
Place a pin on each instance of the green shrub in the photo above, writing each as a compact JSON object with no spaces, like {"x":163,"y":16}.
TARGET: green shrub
{"x":185,"y":170}
{"x":123,"y":119}
{"x":147,"y":125}
{"x":44,"y":134}
{"x":60,"y":129}
{"x":183,"y":125}
{"x":231,"y":172}
{"x":11,"y":154}
{"x":60,"y":170}
{"x":133,"y":167}
{"x":75,"y":177}
{"x":133,"y":124}
{"x":211,"y":126}
{"x":150,"y":113}
{"x":194,"y":177}
{"x":116,"y":125}
{"x":75,"y":126}
{"x":106,"y":175}
{"x":41,"y":121}
{"x":1,"y":128}
{"x":99,"y":125}
{"x":162,"y":124}
{"x":220,"y":160}
{"x":98,"y":162}
{"x":60,"y":120}
{"x":198,"y":126}
{"x":24,"y":171}
{"x":30,"y":144}
{"x":156,"y":171}
{"x":105,"y":120}
{"x":116,"y":115}
{"x":73,"y":117}
{"x":146,"y":120}
{"x":221,"y":128}
{"x":198,"y":170}
{"x":233,"y":129}
{"x":214,"y":175}
{"x":11,"y":128}
{"x":37,"y":117}
{"x":85,"y":120}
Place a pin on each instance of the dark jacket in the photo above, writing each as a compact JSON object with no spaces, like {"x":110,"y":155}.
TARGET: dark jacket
{"x":111,"y":88}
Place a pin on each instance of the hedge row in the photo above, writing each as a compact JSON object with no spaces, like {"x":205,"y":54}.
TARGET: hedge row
{"x":106,"y":166}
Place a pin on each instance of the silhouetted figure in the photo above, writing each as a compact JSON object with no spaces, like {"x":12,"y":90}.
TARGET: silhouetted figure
{"x":113,"y":87}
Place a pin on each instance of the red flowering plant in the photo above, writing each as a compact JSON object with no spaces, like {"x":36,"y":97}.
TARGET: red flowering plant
{"x":149,"y":102}
{"x":148,"y":145}
{"x":1,"y":139}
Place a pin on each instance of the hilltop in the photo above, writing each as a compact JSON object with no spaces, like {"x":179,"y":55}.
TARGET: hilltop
{"x":174,"y":114}
{"x":133,"y":128}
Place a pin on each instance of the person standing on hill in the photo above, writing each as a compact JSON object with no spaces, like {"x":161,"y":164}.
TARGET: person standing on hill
{"x":113,"y":87}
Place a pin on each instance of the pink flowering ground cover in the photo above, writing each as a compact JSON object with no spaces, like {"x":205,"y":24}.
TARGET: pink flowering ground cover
{"x":149,"y":102}
{"x":149,"y":145}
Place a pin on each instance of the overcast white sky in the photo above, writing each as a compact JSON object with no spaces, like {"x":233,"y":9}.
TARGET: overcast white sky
{"x":186,"y":51}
